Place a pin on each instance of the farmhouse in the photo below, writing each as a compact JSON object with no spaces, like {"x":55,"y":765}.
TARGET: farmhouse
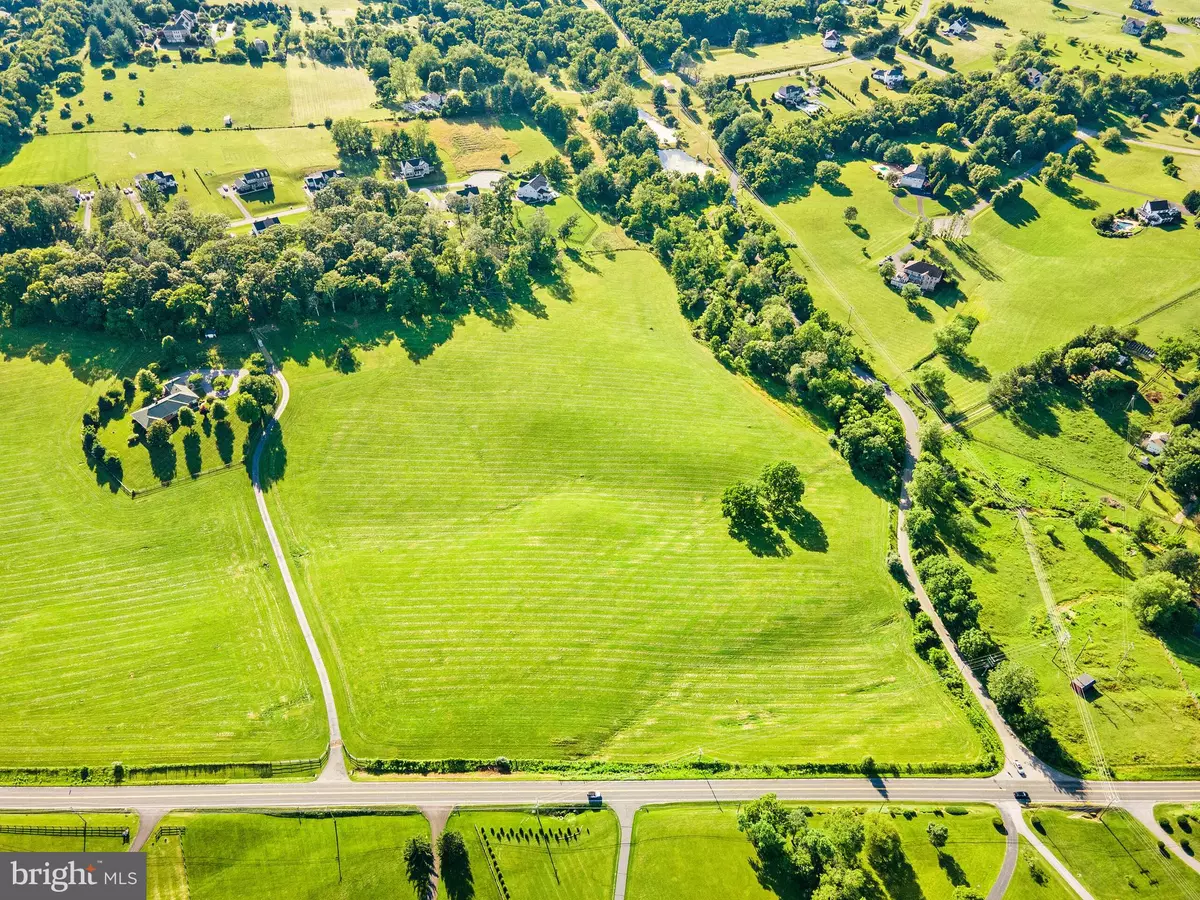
{"x":179,"y":29}
{"x":914,"y":177}
{"x":1034,"y":77}
{"x":790,"y":95}
{"x":262,"y":225}
{"x":1146,"y":6}
{"x":427,"y":103}
{"x":417,"y":167}
{"x":165,"y":181}
{"x":889,"y":78}
{"x":1134,"y":26}
{"x":318,"y":180}
{"x":165,"y":409}
{"x":1156,"y":443}
{"x":536,"y":190}
{"x":1158,"y":212}
{"x":261,"y":46}
{"x":958,"y":27}
{"x":924,"y":275}
{"x":1083,"y":684}
{"x":253,"y":182}
{"x":831,"y":40}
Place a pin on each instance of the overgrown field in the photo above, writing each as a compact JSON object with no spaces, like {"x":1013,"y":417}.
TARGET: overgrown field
{"x":557,"y":853}
{"x":148,"y":631}
{"x":521,"y":535}
{"x":1113,"y":855}
{"x":283,"y":856}
{"x":696,"y":851}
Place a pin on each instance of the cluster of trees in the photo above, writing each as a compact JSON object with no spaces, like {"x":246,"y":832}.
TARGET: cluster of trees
{"x":660,"y":28}
{"x":1089,"y":360}
{"x":1181,"y":462}
{"x":752,"y":506}
{"x":369,"y":246}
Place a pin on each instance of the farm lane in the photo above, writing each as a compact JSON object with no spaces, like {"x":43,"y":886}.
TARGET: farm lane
{"x":335,"y":768}
{"x":1012,"y":850}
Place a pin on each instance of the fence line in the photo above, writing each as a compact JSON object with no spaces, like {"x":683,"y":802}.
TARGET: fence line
{"x":66,"y":830}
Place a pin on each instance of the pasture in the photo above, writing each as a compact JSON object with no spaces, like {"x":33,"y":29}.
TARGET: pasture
{"x":66,"y":843}
{"x":1113,"y":855}
{"x":1142,"y":710}
{"x":284,"y":856}
{"x":491,"y":142}
{"x":696,"y":851}
{"x":569,"y":852}
{"x":804,"y":50}
{"x":516,"y":524}
{"x":203,"y":94}
{"x":148,"y":631}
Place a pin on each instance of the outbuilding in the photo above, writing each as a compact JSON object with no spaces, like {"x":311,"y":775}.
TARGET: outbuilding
{"x":1083,"y":684}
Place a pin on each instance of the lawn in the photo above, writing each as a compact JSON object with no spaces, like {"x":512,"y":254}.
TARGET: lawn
{"x":1145,"y":717}
{"x":521,"y":534}
{"x":148,"y":631}
{"x":558,"y":212}
{"x":1182,"y":823}
{"x":1035,"y":880}
{"x":560,"y":853}
{"x":284,"y":856}
{"x":696,"y":851}
{"x":203,"y":94}
{"x":1113,"y":856}
{"x":799,"y":51}
{"x":201,"y":162}
{"x":66,"y":843}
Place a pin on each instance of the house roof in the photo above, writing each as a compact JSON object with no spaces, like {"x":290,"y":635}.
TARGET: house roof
{"x":916,"y":170}
{"x":920,"y":267}
{"x":166,"y":408}
{"x":538,"y":182}
{"x":1083,"y":681}
{"x":263,"y":224}
{"x":1157,"y":205}
{"x":468,"y":190}
{"x":256,"y":175}
{"x":832,"y":34}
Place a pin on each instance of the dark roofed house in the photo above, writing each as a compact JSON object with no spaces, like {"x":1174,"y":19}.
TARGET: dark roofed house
{"x":164,"y":180}
{"x":318,"y":180}
{"x":468,"y":190}
{"x":165,"y":409}
{"x":1158,"y":212}
{"x":924,"y":275}
{"x":1083,"y":684}
{"x":1146,"y":6}
{"x":262,"y":225}
{"x":417,"y":167}
{"x":253,"y":182}
{"x":1134,"y":26}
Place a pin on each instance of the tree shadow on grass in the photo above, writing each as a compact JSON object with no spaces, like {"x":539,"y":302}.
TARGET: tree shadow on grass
{"x":191,"y":452}
{"x":778,"y":877}
{"x":1106,"y":555}
{"x":1017,"y":212}
{"x":971,"y":257}
{"x":900,"y":879}
{"x":760,"y":538}
{"x":89,"y":358}
{"x":108,"y":473}
{"x":163,"y":462}
{"x":458,"y":878}
{"x":953,"y":870}
{"x":967,"y":368}
{"x":272,"y":466}
{"x":805,"y":530}
{"x":224,"y":433}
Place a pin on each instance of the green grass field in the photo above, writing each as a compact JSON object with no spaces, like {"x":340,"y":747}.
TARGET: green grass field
{"x":521,"y":534}
{"x":283,"y":856}
{"x":800,"y":51}
{"x":1143,"y":712}
{"x":533,"y":854}
{"x":1113,"y":856}
{"x":1035,"y":880}
{"x":558,"y":212}
{"x":201,"y":162}
{"x":1182,"y":823}
{"x":696,"y":851}
{"x":471,"y":145}
{"x":148,"y":631}
{"x":34,"y":843}
{"x":203,"y":94}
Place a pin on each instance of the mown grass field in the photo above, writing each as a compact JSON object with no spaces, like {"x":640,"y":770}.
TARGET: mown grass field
{"x":230,"y":856}
{"x":696,"y":851}
{"x":799,"y":51}
{"x":1143,"y":712}
{"x":200,"y":162}
{"x":1113,"y":856}
{"x":558,"y":212}
{"x":148,"y":631}
{"x":521,"y":535}
{"x":545,"y":867}
{"x":35,"y":843}
{"x":1035,"y":880}
{"x":202,"y":94}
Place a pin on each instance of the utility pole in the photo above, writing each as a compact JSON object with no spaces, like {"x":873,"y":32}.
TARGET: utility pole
{"x":337,"y":844}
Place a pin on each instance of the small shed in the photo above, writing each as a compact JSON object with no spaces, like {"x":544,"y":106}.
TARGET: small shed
{"x":229,"y":121}
{"x":1083,"y":684}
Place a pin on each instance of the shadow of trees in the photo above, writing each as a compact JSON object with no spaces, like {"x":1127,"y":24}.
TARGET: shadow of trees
{"x":163,"y":462}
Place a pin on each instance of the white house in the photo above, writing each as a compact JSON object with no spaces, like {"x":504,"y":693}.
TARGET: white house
{"x":832,"y":40}
{"x":1134,"y":27}
{"x":318,"y":180}
{"x":1157,"y":212}
{"x":924,"y":275}
{"x":1156,"y":443}
{"x":430,"y":102}
{"x":417,"y":167}
{"x":253,"y":182}
{"x":889,"y":78}
{"x":790,"y":95}
{"x":179,"y":29}
{"x":958,"y":27}
{"x":536,"y":190}
{"x":261,"y":46}
{"x":1034,"y":77}
{"x":914,"y":177}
